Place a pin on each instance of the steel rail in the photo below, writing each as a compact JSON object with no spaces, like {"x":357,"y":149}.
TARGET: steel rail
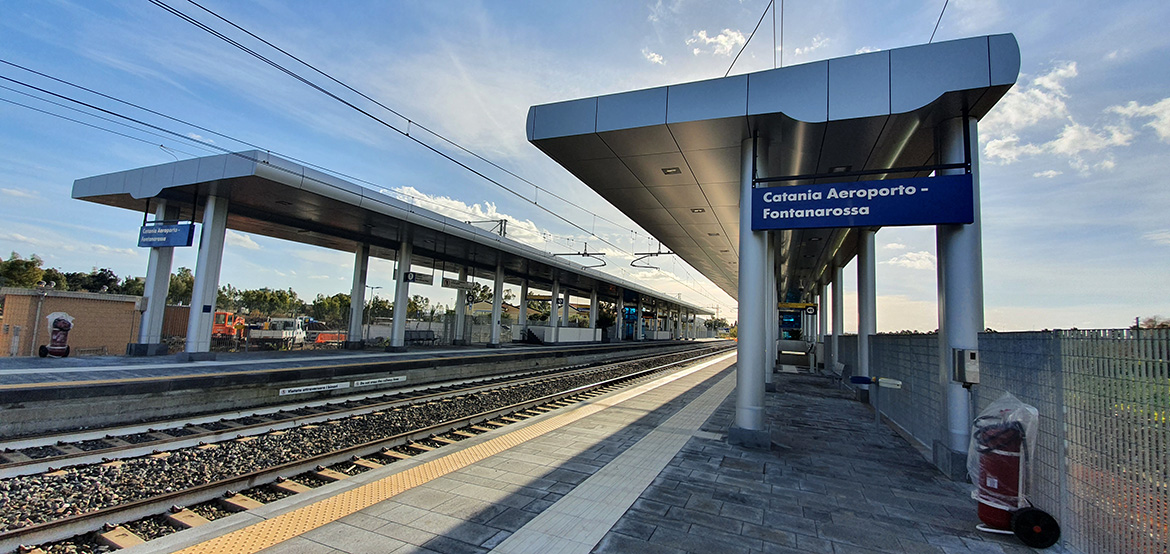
{"x":67,"y":527}
{"x":51,"y":463}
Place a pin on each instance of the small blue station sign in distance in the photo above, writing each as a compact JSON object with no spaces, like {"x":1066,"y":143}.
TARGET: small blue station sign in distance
{"x":166,"y":234}
{"x":946,"y":199}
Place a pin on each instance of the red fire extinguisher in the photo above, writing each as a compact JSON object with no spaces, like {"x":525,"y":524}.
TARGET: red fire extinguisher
{"x":998,"y":464}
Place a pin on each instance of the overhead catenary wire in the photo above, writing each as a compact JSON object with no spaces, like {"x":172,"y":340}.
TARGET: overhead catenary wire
{"x":410,"y":122}
{"x":940,"y":16}
{"x":173,"y":135}
{"x":770,"y":5}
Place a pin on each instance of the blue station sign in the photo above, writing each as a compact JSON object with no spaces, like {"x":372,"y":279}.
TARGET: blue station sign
{"x":946,"y":199}
{"x":166,"y":234}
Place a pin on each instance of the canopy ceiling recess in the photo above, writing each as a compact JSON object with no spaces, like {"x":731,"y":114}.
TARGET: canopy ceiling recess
{"x":669,"y":157}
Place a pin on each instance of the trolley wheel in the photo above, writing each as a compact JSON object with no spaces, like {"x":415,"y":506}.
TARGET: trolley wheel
{"x":43,"y":351}
{"x":1035,"y":527}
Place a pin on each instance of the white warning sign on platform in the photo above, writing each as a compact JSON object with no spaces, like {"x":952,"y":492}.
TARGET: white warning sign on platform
{"x":313,"y":388}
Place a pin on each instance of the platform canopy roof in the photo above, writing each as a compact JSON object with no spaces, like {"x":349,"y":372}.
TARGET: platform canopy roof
{"x":669,"y":157}
{"x":277,"y":198}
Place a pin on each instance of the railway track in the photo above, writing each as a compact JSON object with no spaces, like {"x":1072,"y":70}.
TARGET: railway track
{"x":79,"y":500}
{"x":48,"y":453}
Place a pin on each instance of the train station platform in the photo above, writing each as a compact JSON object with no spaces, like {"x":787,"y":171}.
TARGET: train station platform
{"x":645,"y":469}
{"x":46,"y":396}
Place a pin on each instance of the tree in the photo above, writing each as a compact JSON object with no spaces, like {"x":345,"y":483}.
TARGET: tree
{"x":54,"y":275}
{"x":481,"y":293}
{"x":132,"y":286}
{"x":539,"y":310}
{"x":717,"y":323}
{"x":271,"y":303}
{"x":228,"y":299}
{"x":608,"y":315}
{"x":182,"y":283}
{"x":379,"y":307}
{"x":1154,"y":322}
{"x":333,"y":311}
{"x":419,"y":305}
{"x":19,"y":272}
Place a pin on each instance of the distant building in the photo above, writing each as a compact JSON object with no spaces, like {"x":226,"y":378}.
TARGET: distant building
{"x":102,"y":323}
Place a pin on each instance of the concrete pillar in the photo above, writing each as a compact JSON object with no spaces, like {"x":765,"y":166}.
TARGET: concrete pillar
{"x":357,"y":296}
{"x":593,"y":309}
{"x":461,"y":311}
{"x":554,"y":316}
{"x":207,"y":267}
{"x":638,"y":334}
{"x":523,"y":319}
{"x":771,"y":314}
{"x":620,"y":318}
{"x":497,"y":304}
{"x":822,"y":312}
{"x":750,"y":428}
{"x":158,"y":282}
{"x":866,"y":301}
{"x":401,"y":296}
{"x":960,"y":285}
{"x":838,"y":314}
{"x":565,"y":312}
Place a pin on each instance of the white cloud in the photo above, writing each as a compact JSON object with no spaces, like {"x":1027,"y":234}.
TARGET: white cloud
{"x":1026,"y":105}
{"x":1008,"y":149}
{"x":866,"y":50}
{"x":1161,"y":236}
{"x":895,"y":246}
{"x":913,"y":260}
{"x":53,"y":243}
{"x":1048,"y":173}
{"x":653,"y":57}
{"x":725,"y":43}
{"x":200,"y":138}
{"x":17,"y":193}
{"x":235,"y":238}
{"x":1158,"y":112}
{"x":817,"y":42}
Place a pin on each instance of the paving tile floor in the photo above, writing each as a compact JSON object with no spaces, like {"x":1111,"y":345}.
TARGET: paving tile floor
{"x":833,"y":482}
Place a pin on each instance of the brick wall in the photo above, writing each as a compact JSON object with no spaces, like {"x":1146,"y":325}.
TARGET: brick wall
{"x":100,"y":320}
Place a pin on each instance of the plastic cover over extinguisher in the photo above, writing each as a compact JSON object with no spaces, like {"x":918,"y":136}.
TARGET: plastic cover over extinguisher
{"x":1001,"y":435}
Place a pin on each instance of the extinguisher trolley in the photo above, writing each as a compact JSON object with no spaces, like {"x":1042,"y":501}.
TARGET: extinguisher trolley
{"x":60,"y":323}
{"x":999,"y":462}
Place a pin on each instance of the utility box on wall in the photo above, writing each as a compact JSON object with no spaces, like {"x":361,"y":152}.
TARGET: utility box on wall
{"x":967,"y":366}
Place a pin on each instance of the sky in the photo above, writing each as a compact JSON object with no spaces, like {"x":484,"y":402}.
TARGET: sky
{"x":1075,"y":205}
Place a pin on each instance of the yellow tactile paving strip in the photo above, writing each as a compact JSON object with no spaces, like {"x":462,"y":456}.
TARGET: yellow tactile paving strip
{"x":288,"y":525}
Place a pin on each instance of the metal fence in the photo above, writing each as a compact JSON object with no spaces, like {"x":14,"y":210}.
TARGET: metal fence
{"x":1102,"y":463}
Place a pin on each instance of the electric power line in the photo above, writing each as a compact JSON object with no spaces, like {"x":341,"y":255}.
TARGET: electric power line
{"x":749,"y":39}
{"x":410,"y":122}
{"x":940,"y":15}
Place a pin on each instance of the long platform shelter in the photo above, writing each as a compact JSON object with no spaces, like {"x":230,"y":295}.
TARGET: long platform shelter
{"x":771,"y":182}
{"x":260,"y":193}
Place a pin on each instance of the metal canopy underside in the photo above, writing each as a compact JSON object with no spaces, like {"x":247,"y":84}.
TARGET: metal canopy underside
{"x":277,"y":198}
{"x":669,"y":157}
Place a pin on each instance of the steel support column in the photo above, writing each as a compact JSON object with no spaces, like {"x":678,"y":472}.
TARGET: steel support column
{"x":866,"y":301}
{"x":838,"y":314}
{"x":460,"y":337}
{"x":497,"y":304}
{"x":593,"y":309}
{"x":750,"y":428}
{"x":207,"y":266}
{"x":554,"y":314}
{"x":357,"y":296}
{"x":960,"y":282}
{"x":620,"y":318}
{"x":523,"y":316}
{"x":638,"y":334}
{"x":158,"y":282}
{"x":401,"y":296}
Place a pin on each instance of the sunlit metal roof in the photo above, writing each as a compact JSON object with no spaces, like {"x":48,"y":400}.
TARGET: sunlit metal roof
{"x":274,"y":197}
{"x":669,"y":157}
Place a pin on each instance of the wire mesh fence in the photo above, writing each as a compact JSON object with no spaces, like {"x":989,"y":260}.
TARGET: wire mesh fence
{"x":1102,"y":464}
